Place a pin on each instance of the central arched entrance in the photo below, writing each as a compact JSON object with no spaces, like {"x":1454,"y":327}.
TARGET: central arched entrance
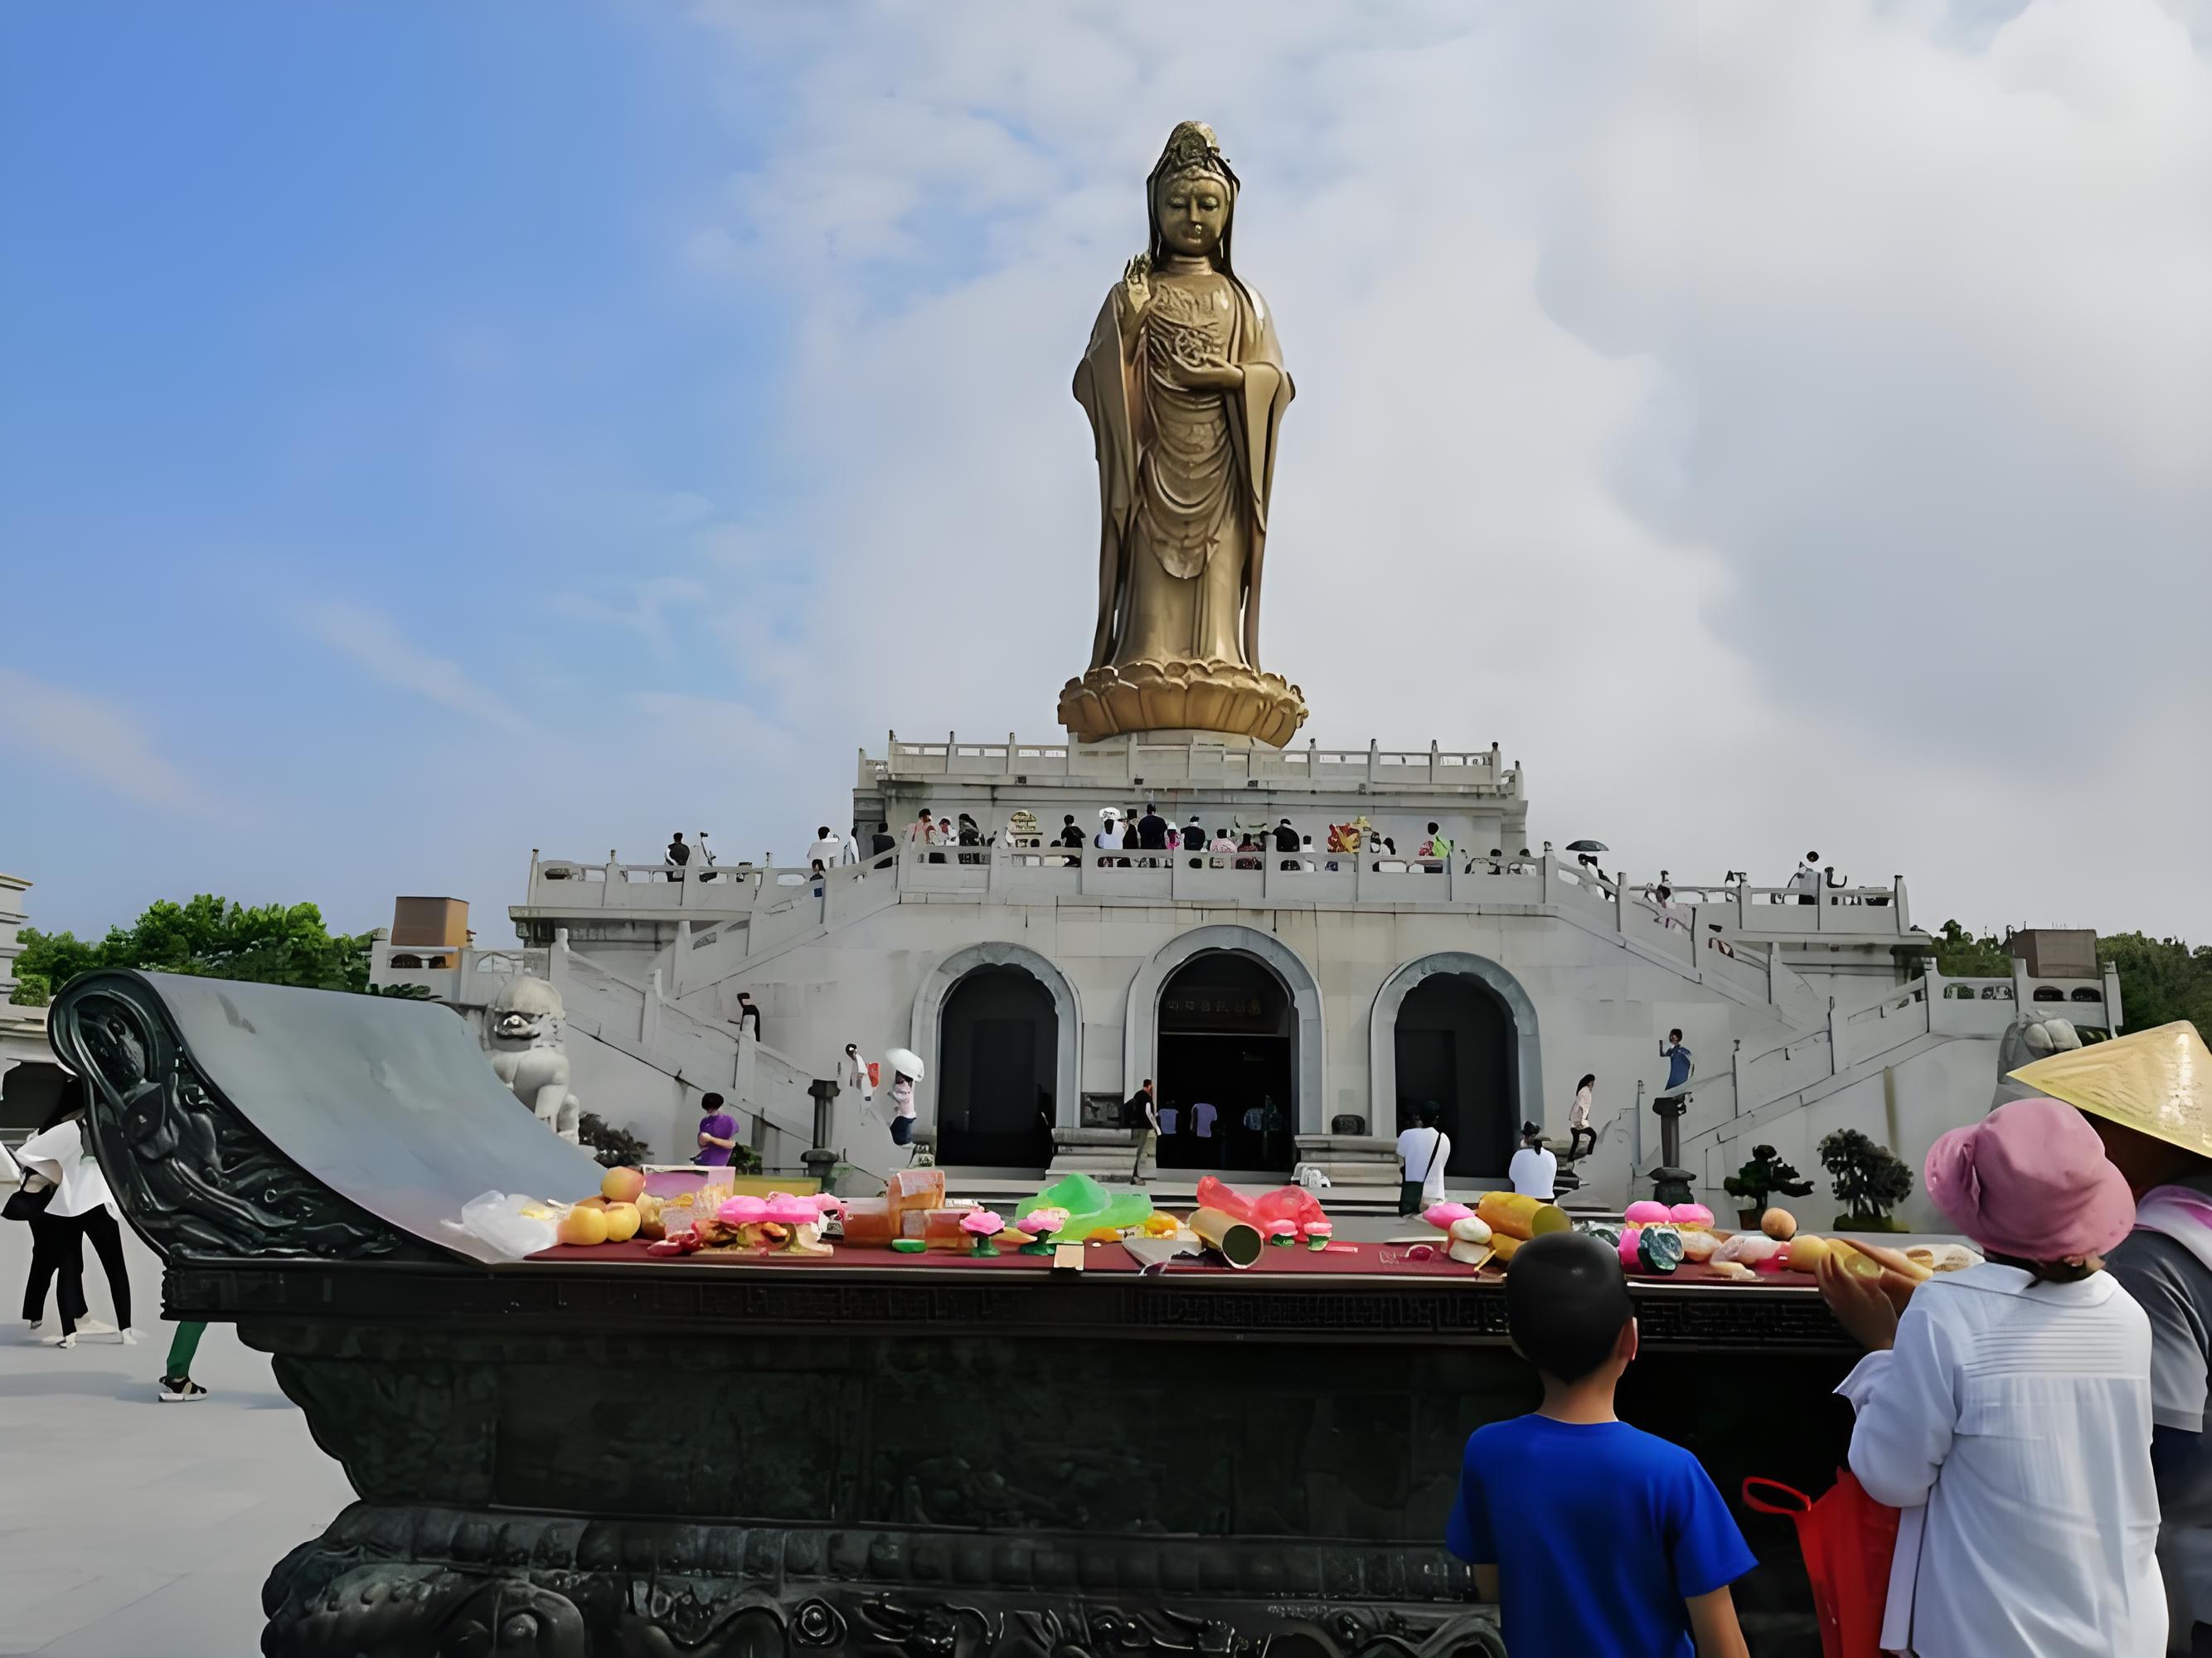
{"x":1228,"y":1064}
{"x":1455,"y":1046}
{"x":997,"y":1055}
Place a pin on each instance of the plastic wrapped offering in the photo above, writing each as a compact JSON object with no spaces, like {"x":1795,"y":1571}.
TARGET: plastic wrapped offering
{"x":1291,"y":1202}
{"x":1514,"y":1215}
{"x":913,"y":1191}
{"x":1090,"y":1208}
{"x":868,"y":1222}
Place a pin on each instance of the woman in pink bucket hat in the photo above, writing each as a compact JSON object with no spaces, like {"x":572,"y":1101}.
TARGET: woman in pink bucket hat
{"x":2008,"y":1413}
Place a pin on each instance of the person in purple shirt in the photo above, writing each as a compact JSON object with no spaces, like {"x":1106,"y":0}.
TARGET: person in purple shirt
{"x":1596,"y":1539}
{"x":717,"y":1133}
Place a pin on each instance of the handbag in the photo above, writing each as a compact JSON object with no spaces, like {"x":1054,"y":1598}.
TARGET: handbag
{"x":1847,"y":1540}
{"x":28,"y":1205}
{"x":1409,"y":1192}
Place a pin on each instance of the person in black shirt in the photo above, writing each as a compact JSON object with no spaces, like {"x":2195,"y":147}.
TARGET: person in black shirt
{"x":1152,"y":831}
{"x":746,"y":1014}
{"x":1142,"y":1114}
{"x":1287,"y":843}
{"x":883,"y":845}
{"x":1070,"y":835}
{"x":679,"y":855}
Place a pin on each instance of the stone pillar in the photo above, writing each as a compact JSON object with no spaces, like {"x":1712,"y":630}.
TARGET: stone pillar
{"x":820,"y":1159}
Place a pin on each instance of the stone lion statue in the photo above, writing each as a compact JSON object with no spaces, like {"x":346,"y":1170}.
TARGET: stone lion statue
{"x":2027,"y":1038}
{"x":522,"y":1032}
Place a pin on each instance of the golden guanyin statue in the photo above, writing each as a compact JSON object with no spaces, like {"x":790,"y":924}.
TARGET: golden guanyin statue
{"x":1184,"y":384}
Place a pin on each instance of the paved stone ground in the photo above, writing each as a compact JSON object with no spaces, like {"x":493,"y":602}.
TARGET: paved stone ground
{"x":127,"y":1525}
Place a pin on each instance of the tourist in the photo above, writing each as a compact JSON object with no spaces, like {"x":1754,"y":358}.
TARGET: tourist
{"x":178,"y":1386}
{"x":1152,"y":831}
{"x":1681,"y":1066}
{"x":1436,"y":850}
{"x":717,"y":1133}
{"x":746,"y":1014}
{"x":2166,"y":1265}
{"x":1534,"y":1170}
{"x":922,"y":832}
{"x":853,"y":1076}
{"x":970,"y":834}
{"x":1426,"y":1148}
{"x":1578,"y":1119}
{"x":80,"y":1209}
{"x":818,"y":872}
{"x":1806,"y":880}
{"x":944,"y":837}
{"x":1595,"y":1539}
{"x":1142,"y":1114}
{"x":826,"y":848}
{"x":1222,"y":848}
{"x":1498,"y":860}
{"x":2008,"y":1411}
{"x":1130,"y":839}
{"x":1247,"y":853}
{"x":902,"y":1108}
{"x":1287,"y":843}
{"x":679,"y":855}
{"x":883,"y":845}
{"x":1194,"y":839}
{"x":1109,"y":837}
{"x":50,"y":1238}
{"x":1203,"y":1116}
{"x":1306,"y":859}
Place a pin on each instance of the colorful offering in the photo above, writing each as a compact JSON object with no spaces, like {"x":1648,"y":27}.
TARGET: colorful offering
{"x":1691,"y":1214}
{"x":1036,"y":1228}
{"x":1514,"y":1215}
{"x":1317,"y":1235}
{"x":981,"y":1226}
{"x":1442,"y":1215}
{"x":1647,"y":1213}
{"x":1090,"y":1208}
{"x":1282,"y":1232}
{"x":1291,"y":1202}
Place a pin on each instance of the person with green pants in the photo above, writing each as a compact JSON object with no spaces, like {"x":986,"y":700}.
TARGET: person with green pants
{"x":176,"y":1384}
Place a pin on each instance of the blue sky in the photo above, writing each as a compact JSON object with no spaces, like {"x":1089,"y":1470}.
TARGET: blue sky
{"x":432,"y":431}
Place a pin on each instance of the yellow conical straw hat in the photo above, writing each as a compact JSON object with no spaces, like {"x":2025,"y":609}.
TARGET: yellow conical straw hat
{"x":2157,"y":1082}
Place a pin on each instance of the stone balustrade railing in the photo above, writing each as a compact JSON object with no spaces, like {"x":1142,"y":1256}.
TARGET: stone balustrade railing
{"x":1135,"y":763}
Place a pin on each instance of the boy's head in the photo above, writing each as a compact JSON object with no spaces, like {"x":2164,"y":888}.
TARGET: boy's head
{"x":1567,"y":1305}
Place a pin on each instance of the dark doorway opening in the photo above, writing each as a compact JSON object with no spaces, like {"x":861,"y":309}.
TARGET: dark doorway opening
{"x":1228,"y":1065}
{"x":997,"y":1046}
{"x":1455,"y":1044}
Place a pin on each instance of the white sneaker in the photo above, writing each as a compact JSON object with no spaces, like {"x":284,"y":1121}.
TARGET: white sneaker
{"x":130,"y":1337}
{"x":60,"y":1341}
{"x":95,"y":1327}
{"x":35,"y":1323}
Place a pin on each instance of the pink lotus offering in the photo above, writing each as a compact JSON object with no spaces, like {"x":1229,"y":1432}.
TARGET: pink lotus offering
{"x":829,"y":1205}
{"x":1632,"y":1237}
{"x":1283,"y":1232}
{"x":1442,"y":1215}
{"x":982,"y":1225}
{"x":1691,"y":1214}
{"x":1037,"y":1227}
{"x":785,"y":1210}
{"x":742,"y":1211}
{"x":1318,"y":1233}
{"x":1650,"y":1213}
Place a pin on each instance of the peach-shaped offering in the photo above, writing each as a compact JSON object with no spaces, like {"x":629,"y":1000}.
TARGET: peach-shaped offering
{"x":746,"y":1210}
{"x":1691,"y":1214}
{"x":982,"y":1225}
{"x":1283,"y":1232}
{"x":1318,"y":1233}
{"x":1037,"y":1227}
{"x":1632,"y":1238}
{"x":1648,"y":1213}
{"x":785,"y":1210}
{"x":1442,"y":1215}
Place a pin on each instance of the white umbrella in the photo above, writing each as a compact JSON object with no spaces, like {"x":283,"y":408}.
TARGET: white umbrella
{"x":905,"y":1060}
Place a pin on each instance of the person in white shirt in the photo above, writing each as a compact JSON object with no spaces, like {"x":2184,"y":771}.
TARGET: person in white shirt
{"x":2008,"y":1411}
{"x":1535,"y":1167}
{"x":827,"y":848}
{"x":1424,"y":1149}
{"x":1578,"y":1119}
{"x":853,"y":1076}
{"x":79,"y":1210}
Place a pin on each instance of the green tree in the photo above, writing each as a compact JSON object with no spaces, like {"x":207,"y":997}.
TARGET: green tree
{"x":211,"y":937}
{"x":1870,"y":1179}
{"x":2162,"y":980}
{"x":1960,"y":955}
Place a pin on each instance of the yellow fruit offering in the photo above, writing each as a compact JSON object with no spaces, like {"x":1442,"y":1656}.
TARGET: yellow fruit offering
{"x":1515,"y":1215}
{"x":583,"y":1225}
{"x":1807,"y":1253}
{"x":1859,"y":1266}
{"x":1779,"y":1224}
{"x":622,"y":1222}
{"x":622,"y":1185}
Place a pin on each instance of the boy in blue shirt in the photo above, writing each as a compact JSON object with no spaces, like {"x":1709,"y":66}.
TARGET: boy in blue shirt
{"x":1598,"y":1540}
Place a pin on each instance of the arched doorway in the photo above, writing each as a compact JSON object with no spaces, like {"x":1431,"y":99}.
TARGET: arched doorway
{"x":998,"y":1062}
{"x":1455,"y":1045}
{"x":1228,"y":1064}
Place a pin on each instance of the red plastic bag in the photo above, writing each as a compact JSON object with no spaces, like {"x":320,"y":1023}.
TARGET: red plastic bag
{"x":875,"y":1074}
{"x":1847,"y":1540}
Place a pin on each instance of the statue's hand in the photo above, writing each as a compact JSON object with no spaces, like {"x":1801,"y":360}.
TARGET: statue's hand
{"x":1209,"y":377}
{"x":1137,"y":281}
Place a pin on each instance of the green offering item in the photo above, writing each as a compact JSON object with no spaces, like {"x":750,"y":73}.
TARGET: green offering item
{"x":1608,"y":1235}
{"x":1090,"y":1208}
{"x":1659,"y":1249}
{"x":908,"y":1246}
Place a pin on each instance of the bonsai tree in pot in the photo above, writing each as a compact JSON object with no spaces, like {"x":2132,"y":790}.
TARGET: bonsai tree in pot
{"x":1871,"y":1180}
{"x":1764,"y":1173}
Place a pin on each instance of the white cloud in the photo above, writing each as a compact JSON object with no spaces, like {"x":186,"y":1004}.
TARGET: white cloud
{"x":371,"y":640}
{"x":1778,"y":426}
{"x":96,"y":739}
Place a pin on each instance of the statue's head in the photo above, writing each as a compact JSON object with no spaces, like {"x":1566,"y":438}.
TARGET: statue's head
{"x":1192,"y":197}
{"x":526,"y":1010}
